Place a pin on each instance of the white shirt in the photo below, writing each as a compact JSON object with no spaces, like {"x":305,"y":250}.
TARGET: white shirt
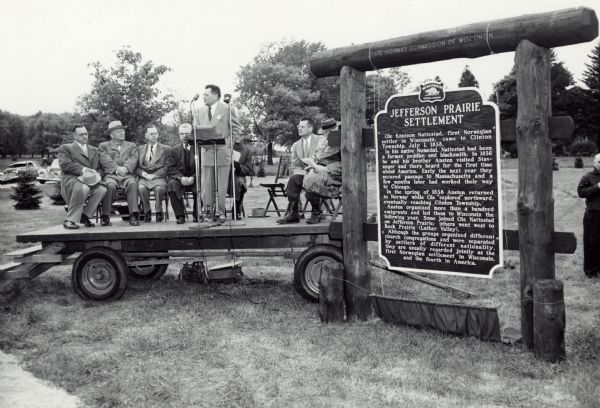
{"x":151,"y":148}
{"x":306,"y":145}
{"x":83,"y":147}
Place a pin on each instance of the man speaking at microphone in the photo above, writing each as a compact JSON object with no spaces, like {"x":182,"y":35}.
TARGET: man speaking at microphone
{"x":220,"y":115}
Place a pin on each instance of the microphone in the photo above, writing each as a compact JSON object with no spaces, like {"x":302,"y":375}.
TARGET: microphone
{"x":195,"y":98}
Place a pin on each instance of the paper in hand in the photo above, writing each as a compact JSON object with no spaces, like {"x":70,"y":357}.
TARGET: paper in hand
{"x":236,"y":156}
{"x":309,"y":162}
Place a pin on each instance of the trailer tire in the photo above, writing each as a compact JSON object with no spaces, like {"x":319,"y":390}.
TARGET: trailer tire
{"x":99,"y":273}
{"x":307,"y":270}
{"x":148,"y":272}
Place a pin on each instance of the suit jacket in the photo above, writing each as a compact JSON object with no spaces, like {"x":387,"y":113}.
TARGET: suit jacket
{"x":158,"y":166}
{"x":299,"y":153}
{"x":246,"y":164}
{"x":72,"y":161}
{"x":220,"y":120}
{"x":176,"y":169}
{"x":112,"y":157}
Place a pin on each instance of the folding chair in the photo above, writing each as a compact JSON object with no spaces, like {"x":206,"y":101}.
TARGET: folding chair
{"x":275,"y":189}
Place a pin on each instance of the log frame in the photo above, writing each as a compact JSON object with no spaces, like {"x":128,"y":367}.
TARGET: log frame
{"x":354,"y":199}
{"x":535,"y":204}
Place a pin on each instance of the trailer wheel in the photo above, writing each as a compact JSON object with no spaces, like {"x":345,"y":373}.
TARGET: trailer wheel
{"x":99,"y":273}
{"x":308,"y":269}
{"x":148,"y":272}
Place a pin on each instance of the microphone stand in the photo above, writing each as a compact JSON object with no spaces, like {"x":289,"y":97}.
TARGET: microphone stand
{"x":234,"y":220}
{"x":199,"y":214}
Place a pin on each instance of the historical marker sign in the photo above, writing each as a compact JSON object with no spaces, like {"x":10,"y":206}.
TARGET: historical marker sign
{"x":438,"y":177}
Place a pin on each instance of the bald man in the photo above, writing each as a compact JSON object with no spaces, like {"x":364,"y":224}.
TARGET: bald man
{"x":589,"y":188}
{"x":182,"y":173}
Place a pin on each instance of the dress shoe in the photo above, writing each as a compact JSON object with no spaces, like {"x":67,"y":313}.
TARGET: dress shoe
{"x":70,"y":225}
{"x":85,"y":220}
{"x":148,"y":217}
{"x":160,"y":217}
{"x":105,"y":221}
{"x":180,"y":220}
{"x":134,"y":219}
{"x":314,"y":219}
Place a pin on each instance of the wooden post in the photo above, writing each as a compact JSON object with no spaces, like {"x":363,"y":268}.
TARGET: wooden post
{"x":331,"y":292}
{"x":354,"y":193}
{"x":549,"y":320}
{"x":535,"y":204}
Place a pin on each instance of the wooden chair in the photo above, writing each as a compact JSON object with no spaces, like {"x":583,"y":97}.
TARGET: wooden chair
{"x":330,"y":204}
{"x":153,"y":198}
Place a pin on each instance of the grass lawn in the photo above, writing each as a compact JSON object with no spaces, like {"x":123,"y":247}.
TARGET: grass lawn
{"x":259,"y":344}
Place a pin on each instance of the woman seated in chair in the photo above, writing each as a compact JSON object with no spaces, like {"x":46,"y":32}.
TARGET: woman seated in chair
{"x":324,"y":177}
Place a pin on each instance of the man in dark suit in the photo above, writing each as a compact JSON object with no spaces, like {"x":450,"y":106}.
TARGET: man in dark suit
{"x":221,"y":116}
{"x":75,"y":159}
{"x":182,"y":173}
{"x":119,"y":160}
{"x":243,"y":165}
{"x":152,"y":173}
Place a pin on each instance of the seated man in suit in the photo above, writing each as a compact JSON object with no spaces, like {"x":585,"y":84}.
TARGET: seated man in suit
{"x":324,"y":176}
{"x":80,"y":179}
{"x":152,"y":173}
{"x":181,"y":169}
{"x":119,"y":160}
{"x":243,"y":165}
{"x":304,"y":148}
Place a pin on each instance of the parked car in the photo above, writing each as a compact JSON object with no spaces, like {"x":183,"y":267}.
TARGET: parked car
{"x":12,"y":172}
{"x":50,"y":173}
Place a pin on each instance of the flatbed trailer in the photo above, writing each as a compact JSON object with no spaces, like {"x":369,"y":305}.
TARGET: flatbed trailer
{"x":104,"y":258}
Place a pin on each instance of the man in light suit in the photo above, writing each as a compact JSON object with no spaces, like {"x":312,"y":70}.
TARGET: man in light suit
{"x":220,"y":115}
{"x":304,"y":148}
{"x":74,"y":159}
{"x":119,"y":160}
{"x":152,"y":173}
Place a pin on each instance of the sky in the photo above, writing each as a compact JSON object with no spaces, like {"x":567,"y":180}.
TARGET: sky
{"x":48,"y":44}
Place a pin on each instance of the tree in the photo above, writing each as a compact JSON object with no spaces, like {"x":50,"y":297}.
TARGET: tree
{"x":48,"y":130}
{"x":278,"y":89}
{"x":379,"y":88}
{"x":467,"y":79}
{"x":127,"y":92}
{"x":12,"y":134}
{"x":505,"y":90}
{"x":26,"y":194}
{"x":591,"y":78}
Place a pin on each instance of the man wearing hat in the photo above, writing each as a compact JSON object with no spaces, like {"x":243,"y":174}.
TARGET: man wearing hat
{"x":181,"y":169}
{"x":324,"y":177}
{"x":302,"y":149}
{"x":222,"y":116}
{"x":119,"y":160}
{"x":80,"y":179}
{"x":152,"y":173}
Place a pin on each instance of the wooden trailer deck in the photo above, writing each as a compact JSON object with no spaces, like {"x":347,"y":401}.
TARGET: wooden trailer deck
{"x":104,"y":257}
{"x":121,"y":230}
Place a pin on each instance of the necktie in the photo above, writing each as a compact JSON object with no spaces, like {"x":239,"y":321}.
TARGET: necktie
{"x":151,"y":152}
{"x":209,"y":113}
{"x":306,"y":148}
{"x":84,"y":148}
{"x":186,"y":146}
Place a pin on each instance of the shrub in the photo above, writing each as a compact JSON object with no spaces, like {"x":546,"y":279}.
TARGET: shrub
{"x":554,"y":164}
{"x":578,"y":162}
{"x":26,"y":194}
{"x":582,"y":146}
